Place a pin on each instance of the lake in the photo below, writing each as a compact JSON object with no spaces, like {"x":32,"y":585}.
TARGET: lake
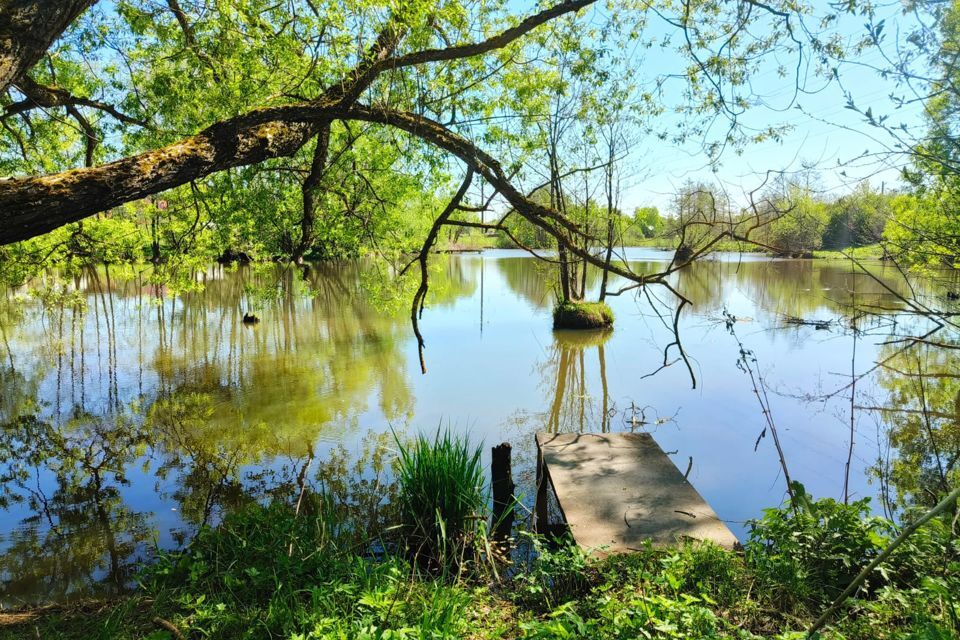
{"x":131,"y":416}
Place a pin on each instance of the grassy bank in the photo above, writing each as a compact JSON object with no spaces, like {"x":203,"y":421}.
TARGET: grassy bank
{"x":325,"y":568}
{"x":869,"y":252}
{"x":873,"y":251}
{"x":477,"y":242}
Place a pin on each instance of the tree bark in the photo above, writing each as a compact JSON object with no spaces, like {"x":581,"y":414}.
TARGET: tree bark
{"x":32,"y":206}
{"x":28,"y":28}
{"x":309,"y":190}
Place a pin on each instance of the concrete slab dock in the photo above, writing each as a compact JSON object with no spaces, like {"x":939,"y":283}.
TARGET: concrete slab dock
{"x":618,"y":490}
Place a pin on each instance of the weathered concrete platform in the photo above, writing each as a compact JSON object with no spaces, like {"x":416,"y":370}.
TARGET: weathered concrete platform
{"x":618,"y":490}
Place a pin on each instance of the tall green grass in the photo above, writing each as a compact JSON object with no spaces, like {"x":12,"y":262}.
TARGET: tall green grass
{"x":442,"y":498}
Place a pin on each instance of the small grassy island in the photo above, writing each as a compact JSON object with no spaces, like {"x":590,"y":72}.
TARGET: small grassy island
{"x":582,"y":315}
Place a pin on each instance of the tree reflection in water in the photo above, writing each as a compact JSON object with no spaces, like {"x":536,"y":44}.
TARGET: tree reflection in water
{"x":573,"y":406}
{"x":81,"y":537}
{"x":128,"y":417}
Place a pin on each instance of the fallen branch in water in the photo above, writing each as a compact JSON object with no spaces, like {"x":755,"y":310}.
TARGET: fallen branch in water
{"x":801,"y":322}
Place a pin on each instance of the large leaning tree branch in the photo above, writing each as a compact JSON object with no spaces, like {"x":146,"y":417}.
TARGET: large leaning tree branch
{"x":30,"y":206}
{"x":28,"y":28}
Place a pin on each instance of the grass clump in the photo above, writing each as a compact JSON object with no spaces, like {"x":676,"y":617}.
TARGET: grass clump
{"x":441,"y":499}
{"x":582,"y":315}
{"x":866,"y":252}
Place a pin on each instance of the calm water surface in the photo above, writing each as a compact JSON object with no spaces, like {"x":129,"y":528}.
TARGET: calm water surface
{"x":131,"y":419}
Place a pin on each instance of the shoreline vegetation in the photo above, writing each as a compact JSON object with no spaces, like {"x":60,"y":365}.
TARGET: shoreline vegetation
{"x":422,"y":565}
{"x":474,"y":243}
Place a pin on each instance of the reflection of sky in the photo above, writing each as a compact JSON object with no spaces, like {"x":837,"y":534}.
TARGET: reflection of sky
{"x":491,"y":383}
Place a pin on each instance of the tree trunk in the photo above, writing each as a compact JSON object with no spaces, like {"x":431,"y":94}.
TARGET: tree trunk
{"x":28,"y":28}
{"x":310,"y":187}
{"x":564,"y":272}
{"x":32,"y":206}
{"x":608,"y":184}
{"x":606,"y":259}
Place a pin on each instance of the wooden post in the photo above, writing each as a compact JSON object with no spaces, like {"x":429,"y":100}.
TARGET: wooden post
{"x":503,"y":488}
{"x":541,"y":500}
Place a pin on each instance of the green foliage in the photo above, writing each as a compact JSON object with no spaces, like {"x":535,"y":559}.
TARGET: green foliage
{"x":693,"y":590}
{"x":649,"y":221}
{"x":442,"y":498}
{"x":807,"y":554}
{"x":923,"y":229}
{"x":557,"y":574}
{"x":802,"y":225}
{"x":269,"y":571}
{"x":857,"y":219}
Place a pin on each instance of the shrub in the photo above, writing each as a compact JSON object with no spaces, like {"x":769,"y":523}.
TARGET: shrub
{"x":807,"y":553}
{"x":556,"y":574}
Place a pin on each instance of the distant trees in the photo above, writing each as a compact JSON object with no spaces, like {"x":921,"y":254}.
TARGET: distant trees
{"x":857,"y":219}
{"x":649,"y":221}
{"x":798,"y":222}
{"x":788,"y":218}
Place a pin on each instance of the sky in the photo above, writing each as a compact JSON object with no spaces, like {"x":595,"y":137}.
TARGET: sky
{"x":823,"y":133}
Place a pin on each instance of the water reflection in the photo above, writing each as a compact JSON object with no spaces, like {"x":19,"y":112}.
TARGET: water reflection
{"x":130,"y":416}
{"x":921,"y":415}
{"x":80,"y":537}
{"x":573,"y":406}
{"x":794,"y":288}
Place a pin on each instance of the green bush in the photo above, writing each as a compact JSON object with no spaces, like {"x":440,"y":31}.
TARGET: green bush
{"x":805,"y":555}
{"x":557,"y":573}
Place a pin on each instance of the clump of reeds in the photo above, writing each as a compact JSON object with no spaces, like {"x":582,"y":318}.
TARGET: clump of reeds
{"x":442,"y":500}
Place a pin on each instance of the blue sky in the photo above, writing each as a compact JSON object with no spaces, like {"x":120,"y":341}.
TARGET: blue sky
{"x":824,"y":132}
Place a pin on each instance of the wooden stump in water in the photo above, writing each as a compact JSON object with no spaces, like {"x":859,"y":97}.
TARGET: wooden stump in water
{"x":502,"y":485}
